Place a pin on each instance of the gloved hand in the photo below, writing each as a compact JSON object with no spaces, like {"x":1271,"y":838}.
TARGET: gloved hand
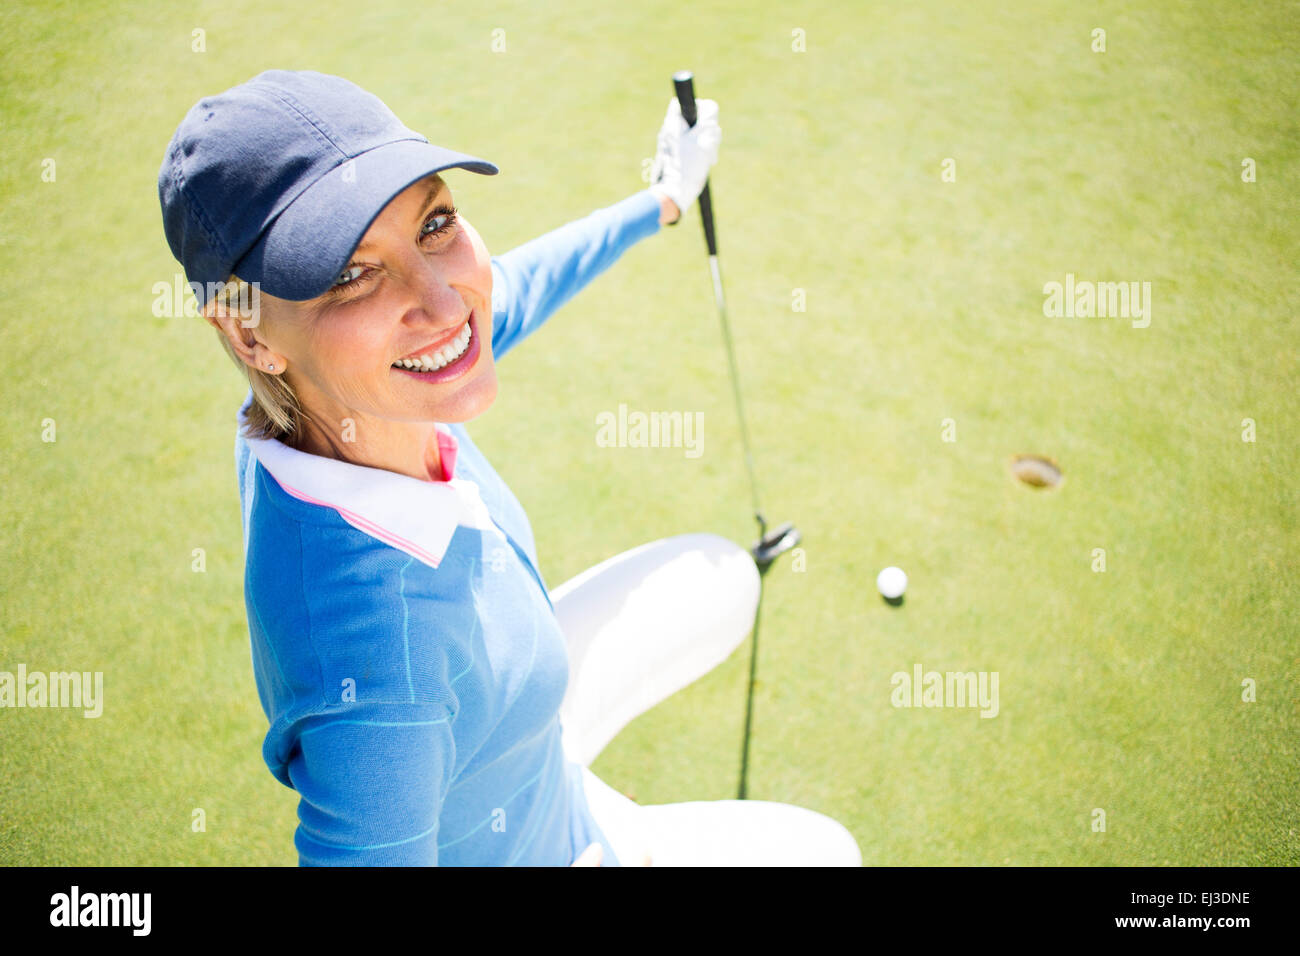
{"x":686,"y":153}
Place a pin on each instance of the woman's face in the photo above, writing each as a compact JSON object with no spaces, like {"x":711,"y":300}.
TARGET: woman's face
{"x":418,"y":283}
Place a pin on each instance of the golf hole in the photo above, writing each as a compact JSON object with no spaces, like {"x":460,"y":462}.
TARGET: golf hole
{"x":1037,"y":471}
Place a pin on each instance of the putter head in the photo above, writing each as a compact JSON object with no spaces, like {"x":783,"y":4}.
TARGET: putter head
{"x":773,"y":544}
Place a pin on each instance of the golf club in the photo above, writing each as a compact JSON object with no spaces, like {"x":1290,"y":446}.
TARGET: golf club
{"x":770,"y":545}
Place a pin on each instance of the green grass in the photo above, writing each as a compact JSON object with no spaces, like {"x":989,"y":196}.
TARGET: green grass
{"x":1118,"y":690}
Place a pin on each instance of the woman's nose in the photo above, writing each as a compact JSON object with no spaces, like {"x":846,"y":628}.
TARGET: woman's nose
{"x":433,"y":291}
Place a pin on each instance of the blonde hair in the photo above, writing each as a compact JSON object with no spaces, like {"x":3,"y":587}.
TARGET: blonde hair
{"x":275,"y":412}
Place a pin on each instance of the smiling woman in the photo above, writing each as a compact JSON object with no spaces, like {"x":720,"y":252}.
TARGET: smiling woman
{"x":276,"y":412}
{"x":412,"y":664}
{"x":349,"y":373}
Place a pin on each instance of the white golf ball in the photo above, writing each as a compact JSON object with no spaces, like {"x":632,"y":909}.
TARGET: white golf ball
{"x":891,"y":583}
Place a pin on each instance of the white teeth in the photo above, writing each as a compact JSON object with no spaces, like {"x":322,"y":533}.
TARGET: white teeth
{"x":443,"y":357}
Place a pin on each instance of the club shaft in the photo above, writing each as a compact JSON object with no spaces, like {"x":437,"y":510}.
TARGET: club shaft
{"x":684,"y":87}
{"x":735,"y":386}
{"x":743,"y":790}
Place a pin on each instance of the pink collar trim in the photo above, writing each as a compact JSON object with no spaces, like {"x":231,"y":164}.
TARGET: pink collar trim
{"x":448,"y":446}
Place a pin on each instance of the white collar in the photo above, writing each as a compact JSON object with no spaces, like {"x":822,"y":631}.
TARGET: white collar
{"x":417,"y":517}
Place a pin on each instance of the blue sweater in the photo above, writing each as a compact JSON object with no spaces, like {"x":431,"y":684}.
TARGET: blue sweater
{"x":405,"y":648}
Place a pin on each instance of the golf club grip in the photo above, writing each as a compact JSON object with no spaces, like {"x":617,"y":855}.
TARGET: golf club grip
{"x":684,"y":87}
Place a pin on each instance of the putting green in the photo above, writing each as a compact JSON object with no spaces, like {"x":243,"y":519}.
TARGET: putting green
{"x":889,"y":313}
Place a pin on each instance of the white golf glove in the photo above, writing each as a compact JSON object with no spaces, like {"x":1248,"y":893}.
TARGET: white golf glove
{"x":686,"y":153}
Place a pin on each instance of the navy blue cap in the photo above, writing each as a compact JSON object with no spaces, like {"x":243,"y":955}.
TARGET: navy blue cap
{"x":277,"y":180}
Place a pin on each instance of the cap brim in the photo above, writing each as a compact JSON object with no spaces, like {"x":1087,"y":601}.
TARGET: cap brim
{"x":301,"y":253}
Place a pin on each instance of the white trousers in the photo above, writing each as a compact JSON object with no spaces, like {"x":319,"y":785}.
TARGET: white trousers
{"x":640,"y":626}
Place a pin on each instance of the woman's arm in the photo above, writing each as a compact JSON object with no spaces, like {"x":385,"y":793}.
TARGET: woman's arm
{"x":531,"y":281}
{"x":372,"y":778}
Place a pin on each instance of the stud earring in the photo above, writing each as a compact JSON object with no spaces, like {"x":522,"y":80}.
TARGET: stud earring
{"x":270,"y":368}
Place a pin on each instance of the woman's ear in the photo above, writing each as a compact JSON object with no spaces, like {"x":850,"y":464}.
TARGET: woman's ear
{"x":232,"y":323}
{"x":225,"y":320}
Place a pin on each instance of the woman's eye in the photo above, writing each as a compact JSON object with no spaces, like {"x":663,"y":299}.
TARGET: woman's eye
{"x":443,"y":220}
{"x":350,"y":274}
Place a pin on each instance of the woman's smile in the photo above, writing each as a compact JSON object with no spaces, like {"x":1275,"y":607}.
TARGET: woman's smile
{"x":444,"y":360}
{"x":451,"y":342}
